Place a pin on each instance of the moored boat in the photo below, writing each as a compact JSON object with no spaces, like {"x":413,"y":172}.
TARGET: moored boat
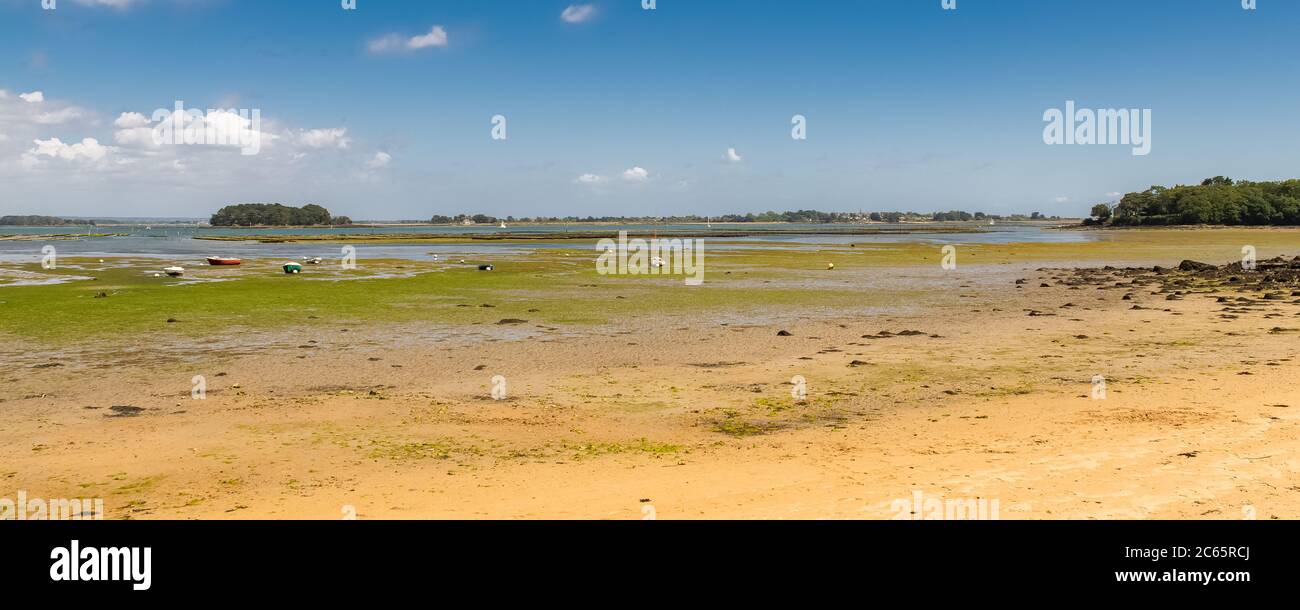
{"x":224,"y":261}
{"x":174,"y":271}
{"x":292,"y":268}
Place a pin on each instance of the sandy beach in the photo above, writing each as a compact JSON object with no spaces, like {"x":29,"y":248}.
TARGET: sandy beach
{"x":632,"y":398}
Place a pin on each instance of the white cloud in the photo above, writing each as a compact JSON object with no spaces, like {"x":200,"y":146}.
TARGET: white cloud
{"x":578,"y":13}
{"x":89,"y":150}
{"x":1062,"y":200}
{"x":34,"y":97}
{"x":393,"y":43}
{"x":636,"y":174}
{"x":136,"y":137}
{"x":733,"y":156}
{"x":590,"y":179}
{"x":131,"y":120}
{"x":437,"y":37}
{"x":325,"y":138}
{"x":1114,"y":194}
{"x":122,"y":153}
{"x":58,"y":117}
{"x":381,"y":159}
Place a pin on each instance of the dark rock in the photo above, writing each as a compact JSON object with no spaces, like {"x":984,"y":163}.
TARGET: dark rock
{"x":1195,"y":266}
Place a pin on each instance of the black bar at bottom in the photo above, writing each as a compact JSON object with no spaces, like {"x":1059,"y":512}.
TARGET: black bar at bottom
{"x":319,"y":559}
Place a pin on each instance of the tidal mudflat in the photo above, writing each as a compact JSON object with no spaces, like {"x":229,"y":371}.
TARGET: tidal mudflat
{"x":780,"y":388}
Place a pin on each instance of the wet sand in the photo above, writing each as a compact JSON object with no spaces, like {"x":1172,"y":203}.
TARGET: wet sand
{"x":980,"y":387}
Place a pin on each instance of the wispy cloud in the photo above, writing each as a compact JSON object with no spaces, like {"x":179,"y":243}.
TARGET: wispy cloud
{"x":733,"y":156}
{"x":380,"y":160}
{"x":335,"y":137}
{"x":578,"y":13}
{"x":118,"y":4}
{"x":398,"y":43}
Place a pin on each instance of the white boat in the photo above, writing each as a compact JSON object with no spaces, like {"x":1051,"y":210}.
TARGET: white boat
{"x":312,"y":260}
{"x":503,"y":224}
{"x":174,"y":271}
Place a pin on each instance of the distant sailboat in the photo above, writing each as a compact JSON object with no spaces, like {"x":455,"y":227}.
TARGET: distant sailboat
{"x":503,"y":224}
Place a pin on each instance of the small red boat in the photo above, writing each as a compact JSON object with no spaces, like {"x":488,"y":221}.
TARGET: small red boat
{"x":221,"y":261}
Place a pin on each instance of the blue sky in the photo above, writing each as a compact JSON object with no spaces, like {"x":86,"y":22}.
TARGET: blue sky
{"x":619,"y":110}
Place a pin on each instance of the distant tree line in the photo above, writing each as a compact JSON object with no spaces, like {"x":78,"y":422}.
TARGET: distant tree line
{"x":795,"y":217}
{"x":1216,"y":201}
{"x":476,"y":219}
{"x":275,"y":215}
{"x":35,"y":221}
